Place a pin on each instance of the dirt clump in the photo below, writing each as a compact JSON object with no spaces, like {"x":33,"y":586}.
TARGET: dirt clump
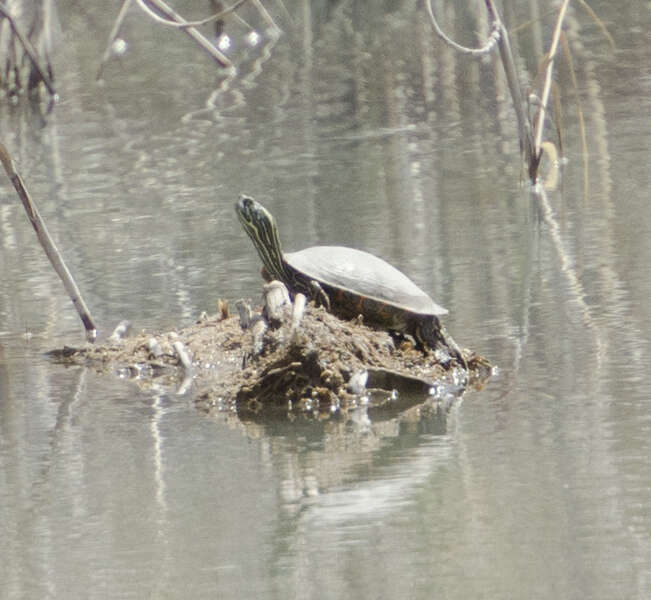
{"x":320,"y":364}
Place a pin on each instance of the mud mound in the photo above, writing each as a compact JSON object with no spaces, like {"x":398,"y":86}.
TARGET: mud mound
{"x":321,"y":366}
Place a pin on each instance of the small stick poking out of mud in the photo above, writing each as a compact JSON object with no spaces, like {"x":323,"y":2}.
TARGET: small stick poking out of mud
{"x":48,"y":245}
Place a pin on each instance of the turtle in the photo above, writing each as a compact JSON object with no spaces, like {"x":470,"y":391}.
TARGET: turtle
{"x":350,"y":282}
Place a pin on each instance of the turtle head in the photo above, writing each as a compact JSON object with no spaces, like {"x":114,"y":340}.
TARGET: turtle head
{"x":260,"y":226}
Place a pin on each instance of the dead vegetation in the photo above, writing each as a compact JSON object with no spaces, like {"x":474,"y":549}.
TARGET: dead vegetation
{"x":326,"y":366}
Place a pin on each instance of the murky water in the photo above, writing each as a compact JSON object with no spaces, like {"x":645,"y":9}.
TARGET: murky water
{"x":361,"y":130}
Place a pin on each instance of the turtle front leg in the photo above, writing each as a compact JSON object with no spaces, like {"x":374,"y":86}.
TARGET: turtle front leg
{"x":430,"y":333}
{"x":318,"y":294}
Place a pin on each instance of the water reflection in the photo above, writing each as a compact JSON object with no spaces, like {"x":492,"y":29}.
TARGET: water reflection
{"x":538,"y":484}
{"x":385,"y":466}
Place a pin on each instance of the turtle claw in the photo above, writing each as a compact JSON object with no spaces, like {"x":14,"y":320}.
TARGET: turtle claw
{"x":431,"y":333}
{"x":319,"y":296}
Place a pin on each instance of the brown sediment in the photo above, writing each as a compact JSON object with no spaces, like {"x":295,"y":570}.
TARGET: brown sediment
{"x":325,"y":365}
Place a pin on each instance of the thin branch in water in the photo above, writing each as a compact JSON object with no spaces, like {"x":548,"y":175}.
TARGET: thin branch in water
{"x":198,"y":37}
{"x":174,"y":23}
{"x":242,"y":22}
{"x":112,"y":36}
{"x":599,"y":23}
{"x":48,"y":245}
{"x":530,"y":22}
{"x":29,"y":50}
{"x":548,"y":77}
{"x":508,"y":63}
{"x":493,"y":39}
{"x":173,"y":17}
{"x":499,"y":37}
{"x":265,"y":15}
{"x":236,"y":17}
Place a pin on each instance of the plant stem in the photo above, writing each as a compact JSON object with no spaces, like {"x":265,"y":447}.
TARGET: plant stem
{"x":48,"y":245}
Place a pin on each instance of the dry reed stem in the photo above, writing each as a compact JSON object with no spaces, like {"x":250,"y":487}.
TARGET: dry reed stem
{"x":599,"y":23}
{"x":198,"y":37}
{"x":488,"y":47}
{"x":551,"y":55}
{"x":499,"y":37}
{"x":172,"y":18}
{"x":29,"y":50}
{"x":48,"y":245}
{"x":182,"y":24}
{"x":112,"y":36}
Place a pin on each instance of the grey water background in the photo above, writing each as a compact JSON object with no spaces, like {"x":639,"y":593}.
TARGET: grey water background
{"x":354,"y":127}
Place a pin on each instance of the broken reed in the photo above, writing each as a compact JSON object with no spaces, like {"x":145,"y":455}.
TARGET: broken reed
{"x":48,"y":244}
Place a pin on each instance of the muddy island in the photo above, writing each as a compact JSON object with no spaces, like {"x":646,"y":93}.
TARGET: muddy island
{"x":288,"y":356}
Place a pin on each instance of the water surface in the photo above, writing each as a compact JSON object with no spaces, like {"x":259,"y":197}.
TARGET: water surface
{"x":362,"y":130}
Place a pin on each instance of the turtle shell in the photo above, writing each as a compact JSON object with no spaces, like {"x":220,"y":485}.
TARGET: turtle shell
{"x":357,"y":275}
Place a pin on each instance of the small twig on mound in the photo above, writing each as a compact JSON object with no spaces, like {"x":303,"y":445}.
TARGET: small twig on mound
{"x":276,"y":303}
{"x":298,"y":310}
{"x":48,"y":245}
{"x":183,"y":355}
{"x":122,"y":330}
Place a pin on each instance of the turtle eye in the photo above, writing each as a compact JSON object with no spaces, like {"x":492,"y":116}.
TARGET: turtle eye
{"x":246,"y":203}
